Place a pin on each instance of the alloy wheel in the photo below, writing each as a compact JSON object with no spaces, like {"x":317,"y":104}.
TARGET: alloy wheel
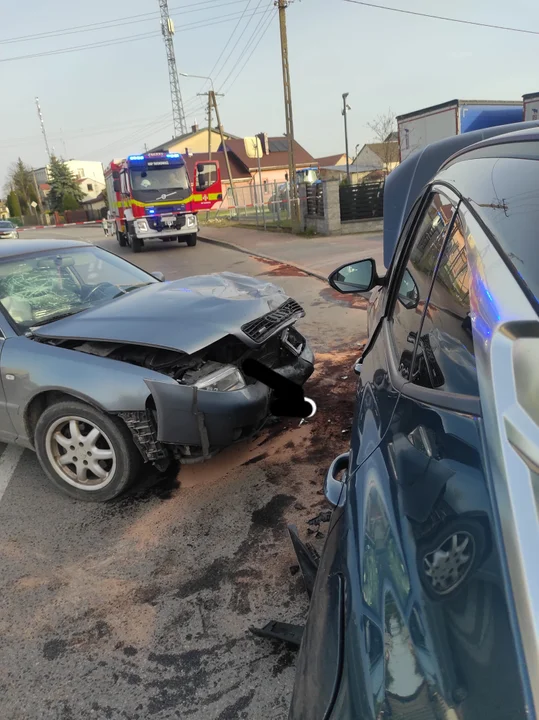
{"x":80,"y":453}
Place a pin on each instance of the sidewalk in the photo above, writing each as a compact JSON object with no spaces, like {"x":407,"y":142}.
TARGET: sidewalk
{"x":317,"y":255}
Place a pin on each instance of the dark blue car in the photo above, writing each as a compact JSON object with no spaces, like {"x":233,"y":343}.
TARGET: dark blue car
{"x":426,"y":599}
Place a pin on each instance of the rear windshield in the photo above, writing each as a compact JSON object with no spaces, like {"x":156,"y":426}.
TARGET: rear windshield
{"x":504,"y":192}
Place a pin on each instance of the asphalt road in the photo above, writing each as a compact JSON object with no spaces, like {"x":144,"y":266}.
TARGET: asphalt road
{"x":139,"y":609}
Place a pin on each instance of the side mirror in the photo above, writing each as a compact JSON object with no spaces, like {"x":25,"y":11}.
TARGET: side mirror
{"x":116,"y":186}
{"x":356,"y":277}
{"x":159,"y":275}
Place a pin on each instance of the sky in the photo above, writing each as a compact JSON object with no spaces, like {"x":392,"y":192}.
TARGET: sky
{"x":106,"y":102}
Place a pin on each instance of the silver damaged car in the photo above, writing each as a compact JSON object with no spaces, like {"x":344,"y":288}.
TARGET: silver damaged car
{"x":105,"y":367}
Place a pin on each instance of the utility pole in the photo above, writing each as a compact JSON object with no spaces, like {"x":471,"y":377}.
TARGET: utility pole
{"x":209,"y":125}
{"x":43,"y":128}
{"x":345,"y":108}
{"x":223,"y":143}
{"x":167,"y":28}
{"x":282,"y":5}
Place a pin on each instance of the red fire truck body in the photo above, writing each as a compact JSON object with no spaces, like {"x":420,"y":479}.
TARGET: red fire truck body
{"x":151,"y":197}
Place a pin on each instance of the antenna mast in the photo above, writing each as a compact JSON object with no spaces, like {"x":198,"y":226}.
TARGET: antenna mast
{"x":40,"y":115}
{"x":167,"y":28}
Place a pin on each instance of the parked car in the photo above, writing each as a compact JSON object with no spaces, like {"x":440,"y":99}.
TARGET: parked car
{"x":104,"y":366}
{"x":426,"y":598}
{"x":8,"y":230}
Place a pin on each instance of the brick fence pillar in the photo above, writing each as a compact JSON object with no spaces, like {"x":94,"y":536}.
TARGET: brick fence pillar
{"x":332,"y":207}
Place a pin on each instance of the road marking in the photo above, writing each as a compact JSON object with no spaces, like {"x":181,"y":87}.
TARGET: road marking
{"x":8,"y":464}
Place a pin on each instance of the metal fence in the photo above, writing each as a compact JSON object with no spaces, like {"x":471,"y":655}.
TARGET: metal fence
{"x":361,"y":202}
{"x":315,"y":200}
{"x":261,"y":205}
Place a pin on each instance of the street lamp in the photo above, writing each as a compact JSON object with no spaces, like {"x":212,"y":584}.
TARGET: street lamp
{"x":345,"y":108}
{"x":199,"y":77}
{"x":211,"y":100}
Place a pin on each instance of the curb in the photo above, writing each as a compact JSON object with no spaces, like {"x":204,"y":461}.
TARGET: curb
{"x":46,"y":227}
{"x":245,"y":251}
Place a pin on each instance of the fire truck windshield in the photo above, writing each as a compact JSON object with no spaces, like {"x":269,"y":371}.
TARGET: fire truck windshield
{"x":159,"y":178}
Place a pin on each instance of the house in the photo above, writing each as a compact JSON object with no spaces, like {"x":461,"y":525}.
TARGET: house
{"x":91,"y":187}
{"x":195,"y":141}
{"x":274,"y":160}
{"x":89,"y":169}
{"x":379,"y":156}
{"x":4,"y":212}
{"x":331,"y":160}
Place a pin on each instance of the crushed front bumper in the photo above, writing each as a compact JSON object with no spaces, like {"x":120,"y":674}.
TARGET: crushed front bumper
{"x":206,"y":421}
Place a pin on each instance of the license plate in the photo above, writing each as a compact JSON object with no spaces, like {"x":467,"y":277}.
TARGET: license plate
{"x":169,"y":220}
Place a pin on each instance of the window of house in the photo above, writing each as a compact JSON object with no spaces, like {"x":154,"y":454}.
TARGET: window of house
{"x":416,"y":279}
{"x":89,"y":187}
{"x":445,"y":355}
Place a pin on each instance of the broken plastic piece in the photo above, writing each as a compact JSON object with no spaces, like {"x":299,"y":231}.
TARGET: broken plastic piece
{"x":275,"y":630}
{"x":307,"y":562}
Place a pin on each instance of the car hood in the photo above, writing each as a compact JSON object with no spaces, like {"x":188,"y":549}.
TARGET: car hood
{"x":185,"y":315}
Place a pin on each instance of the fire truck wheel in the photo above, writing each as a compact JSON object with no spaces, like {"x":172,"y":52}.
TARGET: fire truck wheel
{"x":191,"y":240}
{"x":122,"y":240}
{"x":136,"y":244}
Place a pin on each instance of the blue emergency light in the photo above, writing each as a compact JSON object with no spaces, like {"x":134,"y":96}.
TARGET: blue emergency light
{"x":136,"y":157}
{"x":173,"y":155}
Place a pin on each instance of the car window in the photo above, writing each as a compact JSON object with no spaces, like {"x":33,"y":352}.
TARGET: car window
{"x":445,"y":355}
{"x":415,"y":279}
{"x":504,"y":193}
{"x":40,"y":287}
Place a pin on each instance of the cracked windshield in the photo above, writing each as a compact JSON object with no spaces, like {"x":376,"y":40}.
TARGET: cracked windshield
{"x":269,"y":390}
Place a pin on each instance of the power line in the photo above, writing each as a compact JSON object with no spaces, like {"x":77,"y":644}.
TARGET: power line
{"x":442,"y":17}
{"x":268,"y":9}
{"x":238,"y":40}
{"x":271,"y":16}
{"x":104,"y":24}
{"x":119,"y":41}
{"x":210,"y":74}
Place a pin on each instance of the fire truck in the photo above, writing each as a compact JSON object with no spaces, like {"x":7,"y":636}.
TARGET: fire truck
{"x":151,"y":197}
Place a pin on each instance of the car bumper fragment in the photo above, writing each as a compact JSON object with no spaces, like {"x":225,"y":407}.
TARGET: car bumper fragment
{"x":213,"y":420}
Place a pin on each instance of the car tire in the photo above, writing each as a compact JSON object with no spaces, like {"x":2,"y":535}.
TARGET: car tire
{"x":133,"y":241}
{"x":191,"y":240}
{"x":73,"y":429}
{"x":136,"y":244}
{"x":122,"y":240}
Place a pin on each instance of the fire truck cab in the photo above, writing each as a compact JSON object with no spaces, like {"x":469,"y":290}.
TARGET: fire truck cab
{"x":151,"y":197}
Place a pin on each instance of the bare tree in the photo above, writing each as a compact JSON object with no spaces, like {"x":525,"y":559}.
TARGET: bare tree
{"x":384,"y":129}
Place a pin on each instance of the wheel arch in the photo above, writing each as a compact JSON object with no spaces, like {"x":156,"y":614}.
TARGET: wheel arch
{"x":45,"y":398}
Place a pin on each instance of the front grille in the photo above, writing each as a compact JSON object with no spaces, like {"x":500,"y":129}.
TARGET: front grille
{"x":262,"y":327}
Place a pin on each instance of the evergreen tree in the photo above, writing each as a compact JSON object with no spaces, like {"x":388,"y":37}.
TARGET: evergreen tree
{"x":21,"y":180}
{"x":65,"y":193}
{"x":13,"y":204}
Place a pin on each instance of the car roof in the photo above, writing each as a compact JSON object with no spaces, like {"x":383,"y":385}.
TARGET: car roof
{"x":405,"y":183}
{"x":12,"y":248}
{"x":528,"y":135}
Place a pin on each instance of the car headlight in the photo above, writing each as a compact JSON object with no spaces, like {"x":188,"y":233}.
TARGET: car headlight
{"x":191,"y":220}
{"x":141,"y":225}
{"x":226,"y":378}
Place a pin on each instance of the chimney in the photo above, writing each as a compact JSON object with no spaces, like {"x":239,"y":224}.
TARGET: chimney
{"x":194,"y":127}
{"x":188,"y":152}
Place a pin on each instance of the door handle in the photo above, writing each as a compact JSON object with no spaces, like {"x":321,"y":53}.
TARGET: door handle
{"x":335,"y":490}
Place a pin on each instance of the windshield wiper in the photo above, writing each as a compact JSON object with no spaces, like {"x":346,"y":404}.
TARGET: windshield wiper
{"x":129,"y":288}
{"x":60,"y":316}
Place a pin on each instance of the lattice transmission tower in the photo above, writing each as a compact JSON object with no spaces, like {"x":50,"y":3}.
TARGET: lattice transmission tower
{"x":167,"y":28}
